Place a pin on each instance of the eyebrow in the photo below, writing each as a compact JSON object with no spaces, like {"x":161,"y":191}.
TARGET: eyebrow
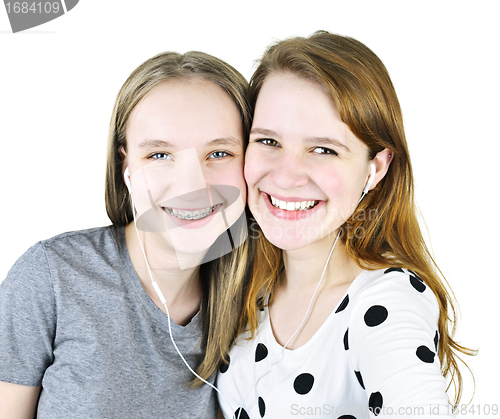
{"x":228,"y":141}
{"x":263,"y":131}
{"x":315,"y":140}
{"x":155,"y":143}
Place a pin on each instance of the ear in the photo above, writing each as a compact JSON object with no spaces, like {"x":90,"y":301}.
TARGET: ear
{"x":382,"y":162}
{"x":123,"y":155}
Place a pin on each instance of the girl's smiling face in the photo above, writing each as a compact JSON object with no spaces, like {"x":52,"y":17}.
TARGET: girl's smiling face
{"x":185,"y":157}
{"x":304,"y":168}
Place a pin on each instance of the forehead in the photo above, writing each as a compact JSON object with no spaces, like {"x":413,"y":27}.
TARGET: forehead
{"x":293,"y":106}
{"x":184,"y":110}
{"x":291,"y":92}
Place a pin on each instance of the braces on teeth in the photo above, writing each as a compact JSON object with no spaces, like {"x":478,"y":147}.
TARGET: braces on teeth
{"x":191,"y":215}
{"x":292,"y":206}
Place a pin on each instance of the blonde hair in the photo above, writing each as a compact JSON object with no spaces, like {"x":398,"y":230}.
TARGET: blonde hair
{"x":359,"y":84}
{"x":223,"y":280}
{"x":162,"y":68}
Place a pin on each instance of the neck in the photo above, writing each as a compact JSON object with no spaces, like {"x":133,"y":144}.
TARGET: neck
{"x":304,"y":267}
{"x":180,"y":287}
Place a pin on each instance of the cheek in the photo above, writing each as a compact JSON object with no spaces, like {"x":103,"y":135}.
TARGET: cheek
{"x":255,"y":168}
{"x":331,"y":182}
{"x":232,"y":176}
{"x":351,"y":199}
{"x":340,"y":190}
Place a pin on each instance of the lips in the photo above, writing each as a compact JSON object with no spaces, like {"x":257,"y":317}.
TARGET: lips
{"x":291,"y":208}
{"x":190,"y":218}
{"x":196,"y":214}
{"x":292,"y":205}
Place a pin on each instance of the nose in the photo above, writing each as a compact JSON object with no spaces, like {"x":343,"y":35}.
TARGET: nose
{"x":188,"y":181}
{"x":289,"y":172}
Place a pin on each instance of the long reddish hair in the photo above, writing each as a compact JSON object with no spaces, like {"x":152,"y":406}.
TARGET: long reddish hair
{"x":359,"y":84}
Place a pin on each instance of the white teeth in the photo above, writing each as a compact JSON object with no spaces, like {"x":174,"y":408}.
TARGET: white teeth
{"x":191,"y":215}
{"x":292,"y":205}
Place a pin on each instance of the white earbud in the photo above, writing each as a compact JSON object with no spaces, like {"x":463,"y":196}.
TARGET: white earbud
{"x":370,"y":179}
{"x":126,"y":178}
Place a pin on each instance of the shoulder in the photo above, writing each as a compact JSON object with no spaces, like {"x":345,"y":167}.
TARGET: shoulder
{"x":393,"y":283}
{"x":93,"y":237}
{"x":91,"y":245}
{"x":394,"y":294}
{"x":76,"y":247}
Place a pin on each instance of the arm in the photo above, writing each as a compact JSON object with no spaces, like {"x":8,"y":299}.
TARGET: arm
{"x":18,"y":402}
{"x":27,"y":330}
{"x":393,"y":336}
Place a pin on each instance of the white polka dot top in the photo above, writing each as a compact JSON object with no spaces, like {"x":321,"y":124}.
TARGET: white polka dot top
{"x":374,"y":356}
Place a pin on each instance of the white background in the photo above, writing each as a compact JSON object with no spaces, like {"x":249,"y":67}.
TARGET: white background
{"x":59,"y":81}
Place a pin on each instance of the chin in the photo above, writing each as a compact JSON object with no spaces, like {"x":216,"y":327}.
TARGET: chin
{"x":288,"y":238}
{"x":186,"y":242}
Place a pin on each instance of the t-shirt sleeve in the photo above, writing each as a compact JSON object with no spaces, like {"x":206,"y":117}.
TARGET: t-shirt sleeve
{"x":394,"y":338}
{"x":27,"y":319}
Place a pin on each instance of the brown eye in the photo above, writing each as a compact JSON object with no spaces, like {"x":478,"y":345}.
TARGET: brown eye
{"x":268,"y":141}
{"x":324,"y":150}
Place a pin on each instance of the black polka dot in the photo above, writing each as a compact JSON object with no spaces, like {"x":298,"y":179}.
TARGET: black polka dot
{"x":260,"y":352}
{"x":346,"y":340}
{"x":303,"y":383}
{"x":343,"y":304}
{"x":360,"y":379}
{"x":417,"y":283}
{"x":425,"y":354}
{"x":347,"y":417}
{"x":388,"y":271}
{"x":436,"y":340}
{"x":224,"y":365}
{"x":375,"y":315}
{"x":375,"y":403}
{"x":241,"y":414}
{"x":262,"y":407}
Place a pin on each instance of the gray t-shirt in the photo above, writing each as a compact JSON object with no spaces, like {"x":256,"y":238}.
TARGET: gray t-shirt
{"x":75,"y":319}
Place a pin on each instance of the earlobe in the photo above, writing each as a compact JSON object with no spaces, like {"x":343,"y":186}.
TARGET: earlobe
{"x":381,"y":161}
{"x":370,"y":178}
{"x":125,"y":176}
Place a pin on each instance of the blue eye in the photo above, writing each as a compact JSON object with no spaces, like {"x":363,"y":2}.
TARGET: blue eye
{"x":219,"y":155}
{"x":160,"y":156}
{"x":324,"y":150}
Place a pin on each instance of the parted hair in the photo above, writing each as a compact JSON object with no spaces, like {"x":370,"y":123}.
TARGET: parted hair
{"x":223,"y":279}
{"x":164,"y":67}
{"x":360,"y":86}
